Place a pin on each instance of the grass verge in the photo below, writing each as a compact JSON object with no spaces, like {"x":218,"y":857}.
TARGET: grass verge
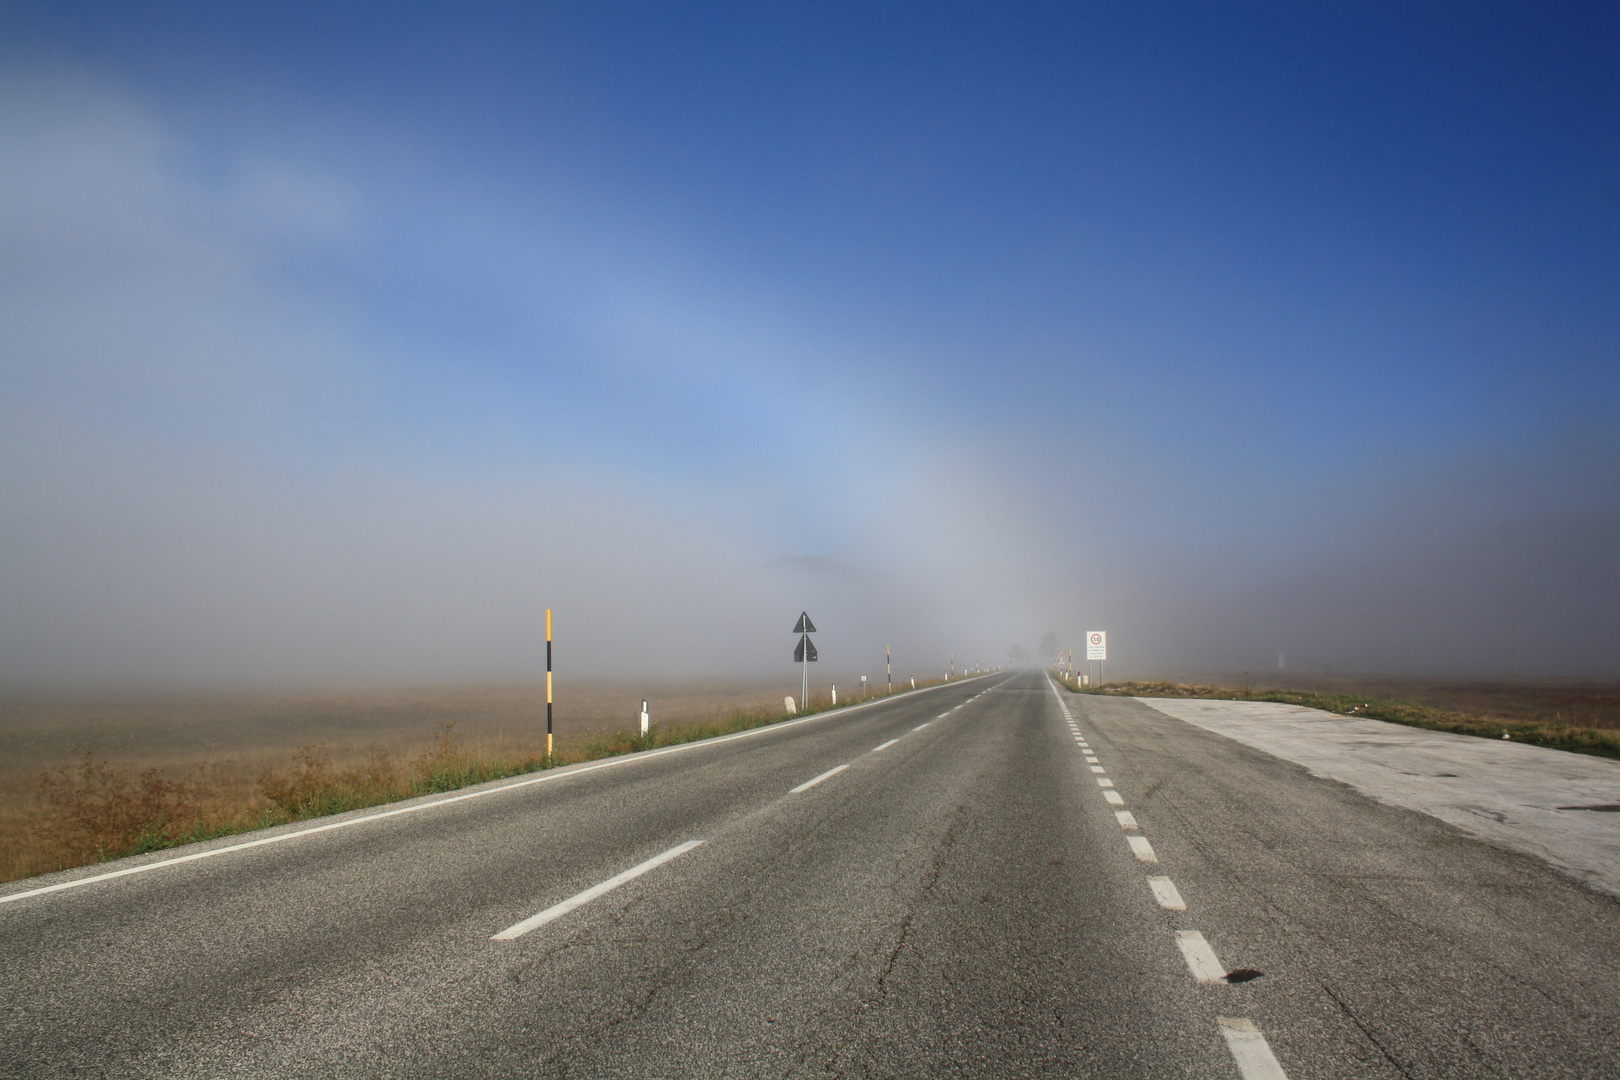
{"x":93,"y":811}
{"x":1557,"y":736}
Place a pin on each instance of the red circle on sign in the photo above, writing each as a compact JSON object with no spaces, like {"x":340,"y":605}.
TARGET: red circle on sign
{"x":1096,"y":639}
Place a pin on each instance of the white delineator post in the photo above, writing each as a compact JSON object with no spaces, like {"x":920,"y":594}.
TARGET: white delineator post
{"x":644,"y":719}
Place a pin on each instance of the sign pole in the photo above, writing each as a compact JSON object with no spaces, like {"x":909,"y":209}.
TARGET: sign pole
{"x":804,"y":654}
{"x":548,"y":684}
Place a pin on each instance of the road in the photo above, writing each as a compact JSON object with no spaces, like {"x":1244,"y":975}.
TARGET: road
{"x":940,"y":884}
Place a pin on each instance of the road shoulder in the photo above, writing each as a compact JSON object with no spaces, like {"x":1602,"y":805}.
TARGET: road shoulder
{"x":1521,"y":797}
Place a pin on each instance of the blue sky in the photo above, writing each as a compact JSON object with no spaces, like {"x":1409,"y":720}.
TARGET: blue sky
{"x":1059,"y":316}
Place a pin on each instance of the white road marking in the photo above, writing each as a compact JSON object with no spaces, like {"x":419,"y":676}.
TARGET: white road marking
{"x":1141,"y":848}
{"x":579,"y":900}
{"x":1200,"y":957}
{"x":549,"y":776}
{"x":808,"y":784}
{"x":1126,"y":819}
{"x":1113,"y":798}
{"x":919,"y":727}
{"x":942,"y":715}
{"x":1091,"y":759}
{"x":1103,"y":781}
{"x":1166,"y":893}
{"x":1250,"y":1050}
{"x":885,"y":746}
{"x":1097,"y":769}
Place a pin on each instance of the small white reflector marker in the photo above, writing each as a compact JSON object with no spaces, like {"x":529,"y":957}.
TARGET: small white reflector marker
{"x":1250,"y":1050}
{"x":1141,"y":848}
{"x":1200,"y":957}
{"x":1166,"y":893}
{"x":580,"y":899}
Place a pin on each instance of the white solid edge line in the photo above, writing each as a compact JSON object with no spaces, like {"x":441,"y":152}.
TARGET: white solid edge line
{"x":579,"y":899}
{"x":1201,"y":960}
{"x":1114,"y":798}
{"x":813,"y":782}
{"x":1166,"y":893}
{"x":1249,"y":1048}
{"x":547,"y":777}
{"x":1141,"y":848}
{"x":885,"y":746}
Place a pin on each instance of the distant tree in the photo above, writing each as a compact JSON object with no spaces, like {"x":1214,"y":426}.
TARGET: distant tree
{"x":1049,"y":646}
{"x":1016,"y":653}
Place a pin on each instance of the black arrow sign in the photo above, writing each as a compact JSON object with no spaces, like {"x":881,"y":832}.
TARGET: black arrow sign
{"x":799,"y":650}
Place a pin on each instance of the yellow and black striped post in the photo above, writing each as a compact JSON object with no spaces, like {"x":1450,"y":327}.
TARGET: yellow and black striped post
{"x":548,"y":683}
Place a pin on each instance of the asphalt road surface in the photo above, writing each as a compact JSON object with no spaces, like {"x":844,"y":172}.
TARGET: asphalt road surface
{"x":941,"y":884}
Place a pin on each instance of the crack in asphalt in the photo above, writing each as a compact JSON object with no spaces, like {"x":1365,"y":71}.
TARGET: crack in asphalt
{"x":1364,"y":1029}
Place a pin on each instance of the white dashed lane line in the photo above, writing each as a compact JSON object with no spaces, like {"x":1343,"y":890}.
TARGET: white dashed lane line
{"x":1166,"y":893}
{"x":556,"y":911}
{"x":1250,"y":1050}
{"x":813,"y":781}
{"x":1247,"y":1046}
{"x":885,"y":746}
{"x":1201,"y":959}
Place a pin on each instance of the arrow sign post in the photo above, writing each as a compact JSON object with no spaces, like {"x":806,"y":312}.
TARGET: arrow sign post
{"x":804,"y":654}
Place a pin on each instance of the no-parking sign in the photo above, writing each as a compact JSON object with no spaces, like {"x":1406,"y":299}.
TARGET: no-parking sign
{"x":1097,"y":645}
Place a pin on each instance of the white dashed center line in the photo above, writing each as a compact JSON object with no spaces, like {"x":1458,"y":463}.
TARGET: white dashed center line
{"x":1113,"y":798}
{"x":1103,"y":781}
{"x":808,"y":784}
{"x":1126,"y":819}
{"x":580,"y":899}
{"x":1141,"y":848}
{"x":885,"y":746}
{"x":922,"y":725}
{"x":1097,"y":768}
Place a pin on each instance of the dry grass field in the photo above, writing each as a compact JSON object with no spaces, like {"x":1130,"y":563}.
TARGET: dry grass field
{"x":91,"y":776}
